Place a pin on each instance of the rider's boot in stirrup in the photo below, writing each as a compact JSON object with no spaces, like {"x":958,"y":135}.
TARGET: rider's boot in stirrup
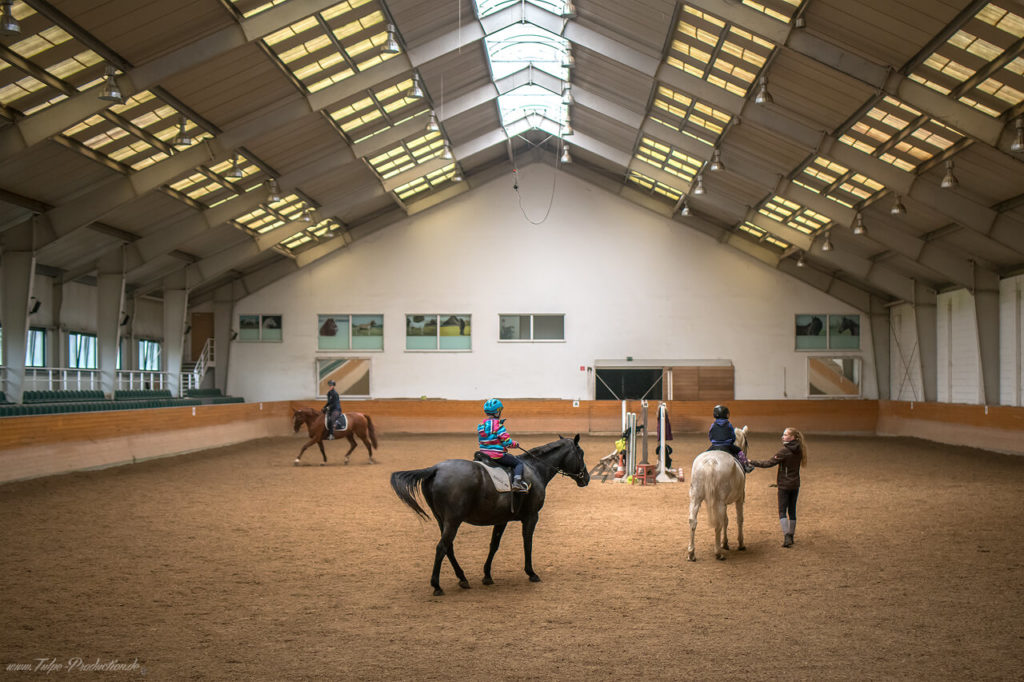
{"x":519,"y":485}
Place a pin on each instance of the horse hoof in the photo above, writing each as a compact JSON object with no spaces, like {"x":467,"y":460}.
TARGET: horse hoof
{"x":726,"y":546}
{"x":720,"y":557}
{"x":464,"y":584}
{"x":742,"y":548}
{"x":487,"y":580}
{"x":296,"y":462}
{"x":534,"y":578}
{"x":692,"y":557}
{"x":323,"y":464}
{"x":438,"y":592}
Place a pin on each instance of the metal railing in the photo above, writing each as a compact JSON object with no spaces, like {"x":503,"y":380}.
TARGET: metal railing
{"x":61,"y":379}
{"x":140,"y":380}
{"x":194,"y":379}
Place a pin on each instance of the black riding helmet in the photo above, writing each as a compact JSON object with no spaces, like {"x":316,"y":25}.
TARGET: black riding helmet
{"x":721,"y":412}
{"x":331,"y":383}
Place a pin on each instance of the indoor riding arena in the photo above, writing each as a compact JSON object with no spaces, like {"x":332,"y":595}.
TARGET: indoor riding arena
{"x":273,"y":273}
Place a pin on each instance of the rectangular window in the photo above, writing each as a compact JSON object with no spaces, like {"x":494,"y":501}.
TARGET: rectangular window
{"x":82,"y":353}
{"x":259,"y":328}
{"x":35,"y":348}
{"x":835,"y":377}
{"x":531,"y":327}
{"x":811,"y":332}
{"x":844,"y":332}
{"x":149,"y":355}
{"x":835,"y":332}
{"x":438,"y":332}
{"x":350,"y":332}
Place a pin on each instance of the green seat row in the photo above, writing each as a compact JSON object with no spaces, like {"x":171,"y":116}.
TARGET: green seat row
{"x":61,"y":396}
{"x":141,"y":394}
{"x":204,"y":393}
{"x":10,"y":410}
{"x":221,"y":400}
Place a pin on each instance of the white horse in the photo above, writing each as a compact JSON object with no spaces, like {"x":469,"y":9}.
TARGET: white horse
{"x":717,"y":478}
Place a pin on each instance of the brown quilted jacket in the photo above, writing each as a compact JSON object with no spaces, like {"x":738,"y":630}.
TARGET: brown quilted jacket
{"x":788,"y":460}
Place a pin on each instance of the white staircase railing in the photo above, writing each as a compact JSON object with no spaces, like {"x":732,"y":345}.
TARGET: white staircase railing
{"x":194,"y":379}
{"x":140,"y":380}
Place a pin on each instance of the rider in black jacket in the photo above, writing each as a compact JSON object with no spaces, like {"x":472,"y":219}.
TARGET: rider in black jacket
{"x":332,"y":409}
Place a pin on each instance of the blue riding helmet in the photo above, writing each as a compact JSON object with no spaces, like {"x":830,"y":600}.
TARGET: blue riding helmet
{"x":493,"y":406}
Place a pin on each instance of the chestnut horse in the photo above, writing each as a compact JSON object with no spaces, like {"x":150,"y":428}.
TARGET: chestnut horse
{"x":359,"y":424}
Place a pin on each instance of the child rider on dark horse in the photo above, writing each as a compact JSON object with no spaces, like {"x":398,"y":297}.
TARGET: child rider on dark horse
{"x":332,"y":409}
{"x":494,"y":439}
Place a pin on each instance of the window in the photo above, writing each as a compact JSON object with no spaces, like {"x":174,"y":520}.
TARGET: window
{"x":531,"y":327}
{"x":259,"y":328}
{"x":835,"y":332}
{"x":149,"y":355}
{"x":35,"y":348}
{"x":82,"y":351}
{"x":438,"y":332}
{"x":350,"y":332}
{"x":837,"y":377}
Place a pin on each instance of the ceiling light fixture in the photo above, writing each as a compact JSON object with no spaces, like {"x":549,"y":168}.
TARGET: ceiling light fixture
{"x":307,"y":215}
{"x":236,"y":168}
{"x":568,"y":61}
{"x":716,"y":161}
{"x":111,"y":90}
{"x":273,"y":191}
{"x":685,"y":210}
{"x":763,"y":96}
{"x":800,"y":260}
{"x":1017,"y":146}
{"x":567,"y":130}
{"x":457,"y":176}
{"x":949,"y":180}
{"x":446,"y":153}
{"x":898,"y":208}
{"x":698,"y":186}
{"x":416,"y":91}
{"x":182,"y":139}
{"x":391,"y":45}
{"x":569,"y":12}
{"x":859,"y":228}
{"x":800,"y":22}
{"x":567,"y":98}
{"x":827,"y":244}
{"x":9,"y":26}
{"x":432,"y":125}
{"x":566,"y":156}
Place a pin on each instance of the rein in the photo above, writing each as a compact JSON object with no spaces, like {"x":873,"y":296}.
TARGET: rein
{"x":575,"y":477}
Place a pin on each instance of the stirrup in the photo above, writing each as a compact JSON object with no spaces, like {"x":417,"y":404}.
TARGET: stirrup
{"x":330,"y":436}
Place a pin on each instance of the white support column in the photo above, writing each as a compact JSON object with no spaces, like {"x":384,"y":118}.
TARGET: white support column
{"x":926,"y":316}
{"x":17,"y":268}
{"x":880,"y":335}
{"x":223,"y":314}
{"x":986,"y":309}
{"x":109,"y":308}
{"x":175,"y":305}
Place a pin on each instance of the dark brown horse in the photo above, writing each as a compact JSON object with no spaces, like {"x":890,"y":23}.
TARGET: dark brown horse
{"x":359,"y":424}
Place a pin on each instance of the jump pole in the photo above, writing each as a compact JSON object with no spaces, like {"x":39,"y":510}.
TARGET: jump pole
{"x":663,"y":476}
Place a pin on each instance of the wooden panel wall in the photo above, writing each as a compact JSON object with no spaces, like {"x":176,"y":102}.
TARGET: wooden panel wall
{"x":50,"y":444}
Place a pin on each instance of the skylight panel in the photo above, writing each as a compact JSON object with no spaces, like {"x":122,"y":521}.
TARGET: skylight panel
{"x":331,"y":45}
{"x":407,"y":155}
{"x":794,"y":215}
{"x":668,"y":159}
{"x":431,"y":180}
{"x":364,"y":115}
{"x":689,"y":116}
{"x":762,"y":236}
{"x":652,"y":186}
{"x":782,"y":10}
{"x":973,"y":65}
{"x":48,"y":64}
{"x":213,"y":186}
{"x":267,"y":217}
{"x":837,"y":182}
{"x":899,"y":134}
{"x":323,"y":229}
{"x":487,"y":7}
{"x":718,"y":52}
{"x":250,"y":8}
{"x":520,"y":46}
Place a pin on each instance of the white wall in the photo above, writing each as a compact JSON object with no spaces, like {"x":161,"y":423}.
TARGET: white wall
{"x":904,"y":355}
{"x":630,"y":282}
{"x":958,"y":359}
{"x":1011,"y":341}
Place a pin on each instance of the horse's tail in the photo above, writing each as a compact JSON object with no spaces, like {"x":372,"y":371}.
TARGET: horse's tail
{"x":373,"y":432}
{"x":405,"y":484}
{"x":708,"y":490}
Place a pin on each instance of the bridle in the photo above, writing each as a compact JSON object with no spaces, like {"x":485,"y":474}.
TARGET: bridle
{"x":576,"y":477}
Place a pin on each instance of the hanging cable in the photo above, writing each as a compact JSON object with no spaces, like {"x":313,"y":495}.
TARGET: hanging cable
{"x":515,"y":184}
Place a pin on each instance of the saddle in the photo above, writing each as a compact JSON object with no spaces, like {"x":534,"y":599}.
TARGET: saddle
{"x":500,"y":475}
{"x":339,"y":425}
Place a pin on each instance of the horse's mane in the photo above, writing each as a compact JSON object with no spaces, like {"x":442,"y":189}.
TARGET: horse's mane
{"x":545,"y":449}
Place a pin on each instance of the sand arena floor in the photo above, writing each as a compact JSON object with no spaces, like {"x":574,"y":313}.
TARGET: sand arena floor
{"x":232,"y":564}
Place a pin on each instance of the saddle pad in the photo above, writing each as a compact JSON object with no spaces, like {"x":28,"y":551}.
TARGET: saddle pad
{"x":500,"y":477}
{"x":339,"y":425}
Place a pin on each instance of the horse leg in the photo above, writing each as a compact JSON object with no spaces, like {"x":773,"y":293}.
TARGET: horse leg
{"x":446,"y":547}
{"x":529,"y":524}
{"x":694,"y":508}
{"x":725,"y":527}
{"x":351,"y":446}
{"x":721,"y":524}
{"x":499,"y":528}
{"x":362,"y":437}
{"x":739,"y":525}
{"x":322,"y":453}
{"x":311,"y":441}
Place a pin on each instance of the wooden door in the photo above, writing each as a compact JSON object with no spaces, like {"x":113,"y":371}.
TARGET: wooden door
{"x":202,"y":329}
